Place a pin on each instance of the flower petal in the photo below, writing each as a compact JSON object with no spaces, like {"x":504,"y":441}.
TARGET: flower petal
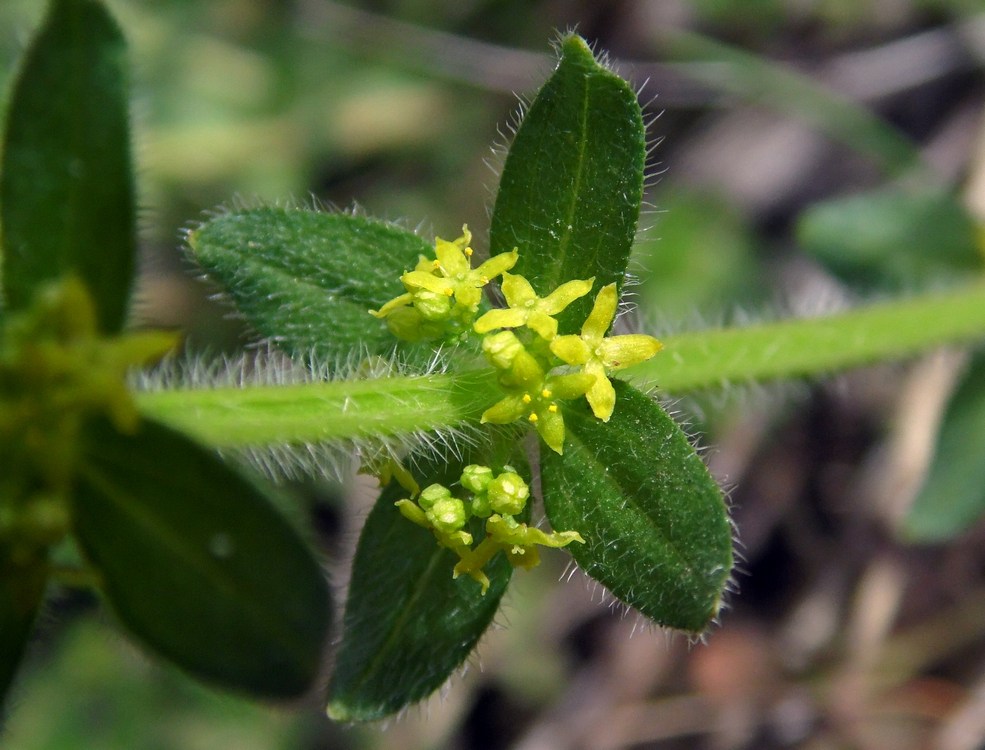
{"x":505,"y":411}
{"x":564,"y":295}
{"x":452,"y":259}
{"x":497,"y":264}
{"x":500,"y":318}
{"x":573,"y":384}
{"x":517,"y":290}
{"x":550,"y":425}
{"x":631,"y":349}
{"x":571,"y":349}
{"x":555,"y":539}
{"x":402,"y":301}
{"x":468,"y":296}
{"x":601,"y":396}
{"x":414,"y":280}
{"x":600,"y":318}
{"x":543,"y":324}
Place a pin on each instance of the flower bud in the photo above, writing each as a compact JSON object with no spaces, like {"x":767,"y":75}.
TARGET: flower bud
{"x":508,"y":494}
{"x":501,"y":348}
{"x":447,"y":515}
{"x":432,"y":494}
{"x":476,"y":478}
{"x":432,"y":305}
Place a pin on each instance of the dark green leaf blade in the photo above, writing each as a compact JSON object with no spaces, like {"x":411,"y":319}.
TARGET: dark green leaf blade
{"x":569,"y":197}
{"x":307,"y":279}
{"x":953,"y":494}
{"x":408,"y":623}
{"x":198,"y":564}
{"x":22,"y":584}
{"x":66,"y":184}
{"x":655,"y":523}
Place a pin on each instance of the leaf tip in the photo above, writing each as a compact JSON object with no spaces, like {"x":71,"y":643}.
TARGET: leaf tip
{"x":338,"y":711}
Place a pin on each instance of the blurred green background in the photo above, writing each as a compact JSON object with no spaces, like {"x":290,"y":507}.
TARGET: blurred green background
{"x":768,"y":198}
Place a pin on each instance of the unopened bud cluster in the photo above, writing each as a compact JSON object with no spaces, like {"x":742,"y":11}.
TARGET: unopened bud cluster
{"x":495,"y":498}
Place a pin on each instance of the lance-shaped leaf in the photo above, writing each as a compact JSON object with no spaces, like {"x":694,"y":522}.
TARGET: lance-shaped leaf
{"x":656,"y":528}
{"x":66,"y":184}
{"x":198,"y":564}
{"x":307,"y":279}
{"x":569,"y":197}
{"x":408,"y":623}
{"x":953,"y":495}
{"x":22,"y":584}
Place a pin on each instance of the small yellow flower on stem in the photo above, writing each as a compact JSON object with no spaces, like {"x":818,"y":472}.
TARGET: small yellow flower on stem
{"x":445,"y":289}
{"x":525,"y":308}
{"x":599,"y":355}
{"x":539,"y":409}
{"x":452,"y":275}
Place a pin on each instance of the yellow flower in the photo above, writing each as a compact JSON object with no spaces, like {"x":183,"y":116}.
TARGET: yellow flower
{"x":442,"y":288}
{"x":451,"y":273}
{"x":538,"y":403}
{"x":525,"y":308}
{"x":599,"y":355}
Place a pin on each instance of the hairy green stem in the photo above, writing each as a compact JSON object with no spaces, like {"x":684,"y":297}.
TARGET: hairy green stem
{"x":233,"y":416}
{"x":393,"y":406}
{"x":816,"y":346}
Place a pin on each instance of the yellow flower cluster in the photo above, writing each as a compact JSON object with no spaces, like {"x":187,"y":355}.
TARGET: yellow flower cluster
{"x":537,"y":367}
{"x":57,"y":370}
{"x":497,"y":498}
{"x":443,"y":293}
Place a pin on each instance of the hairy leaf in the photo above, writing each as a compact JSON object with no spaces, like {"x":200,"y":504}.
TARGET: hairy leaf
{"x":307,"y":279}
{"x":198,"y":564}
{"x":655,"y":524}
{"x":408,"y":623}
{"x":66,"y":184}
{"x":569,"y":197}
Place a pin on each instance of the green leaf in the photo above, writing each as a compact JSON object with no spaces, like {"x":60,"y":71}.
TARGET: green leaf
{"x":308,"y":279}
{"x":953,"y":495}
{"x":66,"y":184}
{"x":655,"y":524}
{"x":22,"y":584}
{"x":892,"y":236}
{"x":198,"y":564}
{"x":408,"y":623}
{"x":569,"y":197}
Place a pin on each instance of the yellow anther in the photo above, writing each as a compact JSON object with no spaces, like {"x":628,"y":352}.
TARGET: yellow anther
{"x":484,"y":280}
{"x":546,"y":393}
{"x":526,"y":398}
{"x":468,"y":252}
{"x":435,"y":264}
{"x":449,"y":292}
{"x":552,"y":408}
{"x":532,"y":417}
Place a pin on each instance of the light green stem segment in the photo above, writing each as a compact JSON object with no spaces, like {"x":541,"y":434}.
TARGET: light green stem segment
{"x":393,"y":406}
{"x":816,"y":346}
{"x":229,"y":417}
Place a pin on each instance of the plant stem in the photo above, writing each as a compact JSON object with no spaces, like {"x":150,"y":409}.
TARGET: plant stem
{"x":235,"y":416}
{"x":816,"y":346}
{"x":393,"y":406}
